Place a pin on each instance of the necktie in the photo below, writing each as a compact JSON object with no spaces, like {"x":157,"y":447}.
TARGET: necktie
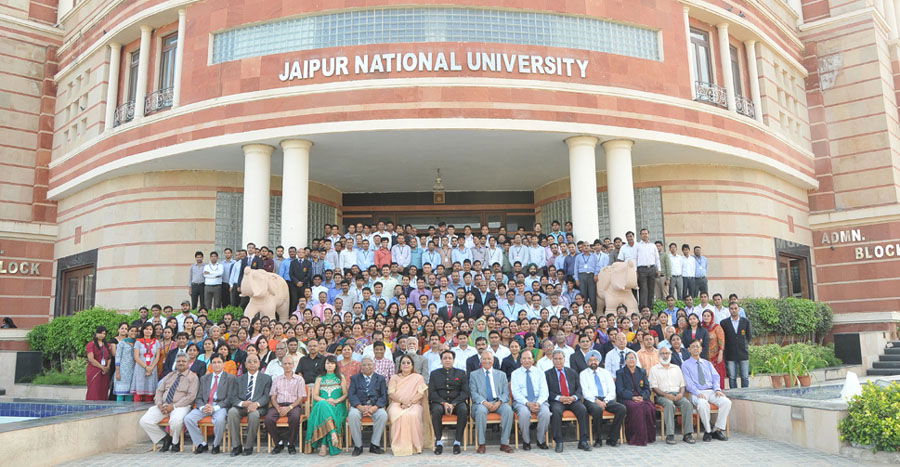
{"x":368,"y":385}
{"x":701,"y":378}
{"x":621,"y":358}
{"x":563,"y":384}
{"x":170,"y":396}
{"x":249,"y":389}
{"x":599,"y":386}
{"x":487,"y":385}
{"x":529,"y":386}
{"x":212,"y":390}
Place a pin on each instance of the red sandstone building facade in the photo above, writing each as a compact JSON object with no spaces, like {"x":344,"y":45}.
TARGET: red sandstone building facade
{"x":138,"y":132}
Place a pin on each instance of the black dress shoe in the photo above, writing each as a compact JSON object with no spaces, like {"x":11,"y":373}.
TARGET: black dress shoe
{"x":526,"y":446}
{"x":292,"y":449}
{"x":707,"y":437}
{"x":543,"y":446}
{"x":598,"y":443}
{"x":176,"y":447}
{"x":216,"y":450}
{"x":357,"y":451}
{"x":374,"y":449}
{"x":438,"y":449}
{"x":559,"y":447}
{"x":237,"y":450}
{"x":248,"y":451}
{"x":278,"y":448}
{"x":719,"y":435}
{"x":689,"y":438}
{"x":670,"y":439}
{"x":584,"y":446}
{"x":457,"y":449}
{"x":166,"y":444}
{"x":200,"y":448}
{"x":612,"y":442}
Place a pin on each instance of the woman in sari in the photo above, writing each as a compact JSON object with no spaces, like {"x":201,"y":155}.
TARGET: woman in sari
{"x":98,"y":357}
{"x":633,"y":390}
{"x":326,"y":419}
{"x":125,"y":366}
{"x":716,"y":344}
{"x":406,"y":391}
{"x":348,"y":365}
{"x":146,"y":357}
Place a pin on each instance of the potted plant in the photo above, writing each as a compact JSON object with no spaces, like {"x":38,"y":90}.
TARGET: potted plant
{"x":775,"y":367}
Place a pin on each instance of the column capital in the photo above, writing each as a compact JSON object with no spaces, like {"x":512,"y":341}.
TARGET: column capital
{"x":582,"y":140}
{"x":617,"y":143}
{"x":296,"y":144}
{"x":115,"y":45}
{"x":750,"y":43}
{"x":258,"y":148}
{"x":685,"y":8}
{"x":723,"y":26}
{"x":146,"y":28}
{"x":181,"y":12}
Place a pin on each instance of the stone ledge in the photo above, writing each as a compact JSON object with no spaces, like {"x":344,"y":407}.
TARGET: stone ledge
{"x":866,"y":455}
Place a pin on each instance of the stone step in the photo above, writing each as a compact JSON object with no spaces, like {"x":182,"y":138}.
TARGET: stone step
{"x":895,"y":343}
{"x":892,"y":350}
{"x":890,"y":358}
{"x":893,"y":365}
{"x":883,"y":372}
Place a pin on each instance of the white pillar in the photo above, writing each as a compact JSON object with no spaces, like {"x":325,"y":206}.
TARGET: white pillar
{"x":143,"y":64}
{"x":257,"y":177}
{"x":690,"y":52}
{"x":179,"y":56}
{"x":620,"y":185}
{"x":112,"y":84}
{"x":295,"y":193}
{"x":753,"y":74}
{"x":583,"y":187}
{"x":896,"y":9}
{"x":725,"y":57}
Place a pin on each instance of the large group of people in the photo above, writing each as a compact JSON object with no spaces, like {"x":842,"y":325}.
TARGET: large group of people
{"x":399,"y":330}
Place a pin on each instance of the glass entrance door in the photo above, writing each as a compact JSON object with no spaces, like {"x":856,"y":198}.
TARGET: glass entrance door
{"x":78,"y":289}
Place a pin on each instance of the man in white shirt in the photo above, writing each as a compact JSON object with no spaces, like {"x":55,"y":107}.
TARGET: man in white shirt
{"x":688,"y":270}
{"x":599,"y":391}
{"x":499,"y":350}
{"x":462,"y":351}
{"x":274,"y":368}
{"x":627,"y":251}
{"x":667,"y":383}
{"x":676,"y":266}
{"x":348,"y":256}
{"x":494,"y":253}
{"x":530,"y":394}
{"x":546,"y":361}
{"x":615,"y":358}
{"x":212,"y":279}
{"x":692,"y":309}
{"x":648,"y":266}
{"x":561,"y":345}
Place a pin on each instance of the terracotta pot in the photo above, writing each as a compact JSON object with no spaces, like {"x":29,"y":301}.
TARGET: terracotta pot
{"x":777,"y":381}
{"x":805,"y":380}
{"x":788,"y":381}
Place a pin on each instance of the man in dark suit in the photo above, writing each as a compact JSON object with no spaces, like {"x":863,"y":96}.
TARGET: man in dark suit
{"x":471,"y":308}
{"x":254,"y":261}
{"x":737,"y":341}
{"x":213,"y":400}
{"x":301,"y":277}
{"x":578,"y":359}
{"x":565,"y":394}
{"x":169,"y":365}
{"x":449,"y":310}
{"x":474,"y":362}
{"x":449,"y":395}
{"x":251,"y":400}
{"x":368,"y":397}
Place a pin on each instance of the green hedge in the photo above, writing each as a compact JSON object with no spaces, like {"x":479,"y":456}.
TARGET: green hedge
{"x":73,"y":373}
{"x":65,"y":337}
{"x":814,"y":356}
{"x":782,"y":316}
{"x":873,"y":418}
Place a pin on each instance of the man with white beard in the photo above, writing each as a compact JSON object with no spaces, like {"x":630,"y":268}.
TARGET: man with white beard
{"x":667,"y":382}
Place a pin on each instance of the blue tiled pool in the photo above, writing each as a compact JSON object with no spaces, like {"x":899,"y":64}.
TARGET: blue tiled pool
{"x":47,"y":409}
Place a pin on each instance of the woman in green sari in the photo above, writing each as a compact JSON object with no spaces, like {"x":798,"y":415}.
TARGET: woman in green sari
{"x":481,"y":330}
{"x":326,"y":419}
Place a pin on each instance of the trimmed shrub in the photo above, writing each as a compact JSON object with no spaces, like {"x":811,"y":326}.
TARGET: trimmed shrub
{"x":873,"y":418}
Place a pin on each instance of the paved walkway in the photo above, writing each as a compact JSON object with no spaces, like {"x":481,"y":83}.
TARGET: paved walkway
{"x":739,"y":450}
